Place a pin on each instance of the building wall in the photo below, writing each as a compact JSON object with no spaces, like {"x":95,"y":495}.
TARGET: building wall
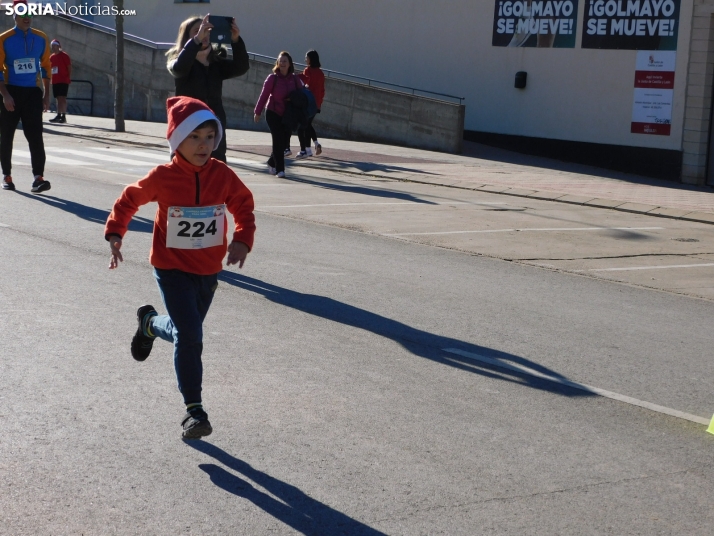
{"x":573,"y":94}
{"x":350,"y":110}
{"x":697,"y":159}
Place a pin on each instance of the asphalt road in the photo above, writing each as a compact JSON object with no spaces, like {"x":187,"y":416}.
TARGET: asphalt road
{"x":336,"y":406}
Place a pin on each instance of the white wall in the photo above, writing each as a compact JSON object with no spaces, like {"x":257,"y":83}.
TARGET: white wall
{"x":574,"y":94}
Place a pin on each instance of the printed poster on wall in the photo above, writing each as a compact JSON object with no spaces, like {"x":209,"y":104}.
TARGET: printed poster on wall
{"x":654,"y":91}
{"x":535,"y":23}
{"x":631,"y":24}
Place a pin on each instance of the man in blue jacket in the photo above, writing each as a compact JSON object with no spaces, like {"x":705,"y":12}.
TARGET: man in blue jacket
{"x":26,"y":68}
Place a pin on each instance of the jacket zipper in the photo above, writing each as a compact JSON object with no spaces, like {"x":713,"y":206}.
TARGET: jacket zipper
{"x":198,"y":189}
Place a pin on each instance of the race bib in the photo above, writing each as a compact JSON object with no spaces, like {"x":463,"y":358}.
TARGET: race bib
{"x":55,"y":70}
{"x":196,"y":227}
{"x":25,"y":65}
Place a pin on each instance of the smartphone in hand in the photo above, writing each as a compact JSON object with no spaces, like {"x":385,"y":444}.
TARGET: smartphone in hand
{"x":221,"y":31}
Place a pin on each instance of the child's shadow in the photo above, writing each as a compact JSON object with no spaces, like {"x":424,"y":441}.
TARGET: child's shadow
{"x":490,"y":362}
{"x":294,"y":508}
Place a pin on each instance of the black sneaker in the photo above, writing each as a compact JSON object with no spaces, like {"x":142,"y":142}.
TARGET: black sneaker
{"x":40,"y":185}
{"x":56,"y":119}
{"x":195,"y":425}
{"x":141,"y":344}
{"x":62,"y":119}
{"x":7,"y":183}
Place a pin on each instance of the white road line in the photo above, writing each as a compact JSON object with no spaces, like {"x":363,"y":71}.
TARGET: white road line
{"x":54,"y":159}
{"x":164,"y":158}
{"x":159,"y":157}
{"x":581,"y":386}
{"x":3,"y":225}
{"x":247,"y":163}
{"x":335,"y":205}
{"x":535,"y":229}
{"x":106,"y":158}
{"x":646,"y":267}
{"x":124,"y":174}
{"x":252,"y":184}
{"x":360,"y":204}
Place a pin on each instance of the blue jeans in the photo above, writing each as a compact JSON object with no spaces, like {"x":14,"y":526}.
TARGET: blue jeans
{"x":187,"y":298}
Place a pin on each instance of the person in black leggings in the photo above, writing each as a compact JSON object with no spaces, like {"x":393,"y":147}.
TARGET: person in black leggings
{"x":25,"y":55}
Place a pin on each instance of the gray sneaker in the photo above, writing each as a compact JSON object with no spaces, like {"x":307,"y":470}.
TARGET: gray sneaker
{"x":7,"y":183}
{"x":195,"y":425}
{"x":40,"y":185}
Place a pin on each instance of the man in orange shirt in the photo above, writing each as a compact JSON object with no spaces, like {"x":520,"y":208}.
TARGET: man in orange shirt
{"x":61,"y":78}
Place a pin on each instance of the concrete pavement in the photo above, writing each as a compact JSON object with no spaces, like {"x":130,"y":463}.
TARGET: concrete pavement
{"x":338,"y":402}
{"x":479,"y":168}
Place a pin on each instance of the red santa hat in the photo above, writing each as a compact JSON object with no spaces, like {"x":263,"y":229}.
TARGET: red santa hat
{"x":55,"y":42}
{"x":184,"y":115}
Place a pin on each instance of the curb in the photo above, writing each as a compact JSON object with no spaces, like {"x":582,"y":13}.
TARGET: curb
{"x":543,"y":195}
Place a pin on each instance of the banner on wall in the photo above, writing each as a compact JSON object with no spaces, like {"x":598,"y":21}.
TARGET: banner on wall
{"x":535,"y":23}
{"x":631,"y":24}
{"x":654,"y":92}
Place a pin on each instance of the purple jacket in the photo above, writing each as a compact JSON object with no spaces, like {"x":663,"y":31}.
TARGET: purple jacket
{"x":276,"y":89}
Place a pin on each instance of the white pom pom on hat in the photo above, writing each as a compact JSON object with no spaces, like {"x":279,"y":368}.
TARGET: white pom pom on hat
{"x":184,"y":114}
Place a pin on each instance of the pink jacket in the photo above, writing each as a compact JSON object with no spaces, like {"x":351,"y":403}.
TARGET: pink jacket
{"x":276,"y":89}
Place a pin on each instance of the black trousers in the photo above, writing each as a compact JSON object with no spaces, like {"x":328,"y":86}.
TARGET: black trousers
{"x":220,"y":153}
{"x":281,"y":136}
{"x":28,"y":109}
{"x":307,"y":134}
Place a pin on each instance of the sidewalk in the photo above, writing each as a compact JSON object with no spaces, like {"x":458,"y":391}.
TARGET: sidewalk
{"x":479,"y":168}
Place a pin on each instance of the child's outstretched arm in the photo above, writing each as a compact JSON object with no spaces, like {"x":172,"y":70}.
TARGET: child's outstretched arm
{"x":237,"y":253}
{"x":240,"y":205}
{"x":133,"y":196}
{"x":115,"y":246}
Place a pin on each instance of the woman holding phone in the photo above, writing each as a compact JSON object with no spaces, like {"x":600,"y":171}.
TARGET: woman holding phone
{"x":200,"y":68}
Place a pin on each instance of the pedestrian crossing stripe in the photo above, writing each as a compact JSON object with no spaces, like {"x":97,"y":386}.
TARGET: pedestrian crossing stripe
{"x":105,"y":158}
{"x":52,"y":158}
{"x":97,"y":156}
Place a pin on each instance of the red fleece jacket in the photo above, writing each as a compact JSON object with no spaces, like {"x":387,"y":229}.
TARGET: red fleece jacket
{"x":314,"y":79}
{"x":182,"y":184}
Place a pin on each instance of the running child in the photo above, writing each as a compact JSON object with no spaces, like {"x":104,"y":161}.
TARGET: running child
{"x":188,"y":248}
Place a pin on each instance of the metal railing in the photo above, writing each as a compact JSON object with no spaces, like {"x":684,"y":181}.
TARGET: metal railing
{"x":112,"y":31}
{"x":91,"y":95}
{"x":371,"y":82}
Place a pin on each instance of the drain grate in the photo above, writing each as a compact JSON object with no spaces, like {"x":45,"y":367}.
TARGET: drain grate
{"x":685,"y":239}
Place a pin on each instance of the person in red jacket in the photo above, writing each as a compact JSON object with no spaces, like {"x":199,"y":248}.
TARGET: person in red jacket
{"x":189,"y":243}
{"x":313,"y":77}
{"x":61,"y":78}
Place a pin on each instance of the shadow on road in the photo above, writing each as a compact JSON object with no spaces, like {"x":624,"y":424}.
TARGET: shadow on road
{"x":341,"y":159}
{"x":362,"y":190}
{"x":294,"y":508}
{"x":95,"y":215}
{"x":416,"y":341}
